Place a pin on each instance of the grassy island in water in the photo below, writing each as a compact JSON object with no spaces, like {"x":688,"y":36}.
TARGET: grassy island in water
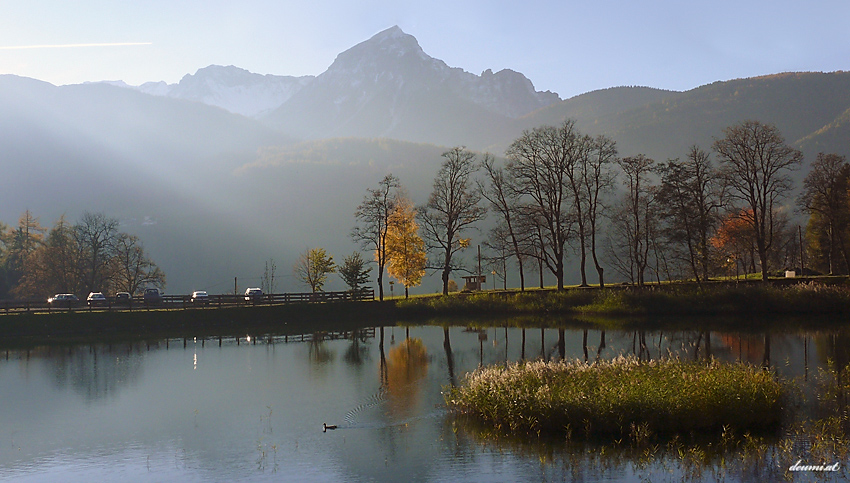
{"x":622,"y":398}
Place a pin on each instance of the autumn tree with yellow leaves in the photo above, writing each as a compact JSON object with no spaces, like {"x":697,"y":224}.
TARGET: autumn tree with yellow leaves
{"x":405,"y":248}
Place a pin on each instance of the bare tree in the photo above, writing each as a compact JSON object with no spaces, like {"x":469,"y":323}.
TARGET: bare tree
{"x":267,"y":282}
{"x":504,"y":200}
{"x":690,"y":199}
{"x":502,"y":249}
{"x":756,"y":163}
{"x":541,"y":163}
{"x":132,"y":268}
{"x":634,"y":220}
{"x":95,"y":236}
{"x":825,"y":198}
{"x":373,"y":216}
{"x":597,"y":179}
{"x":452,"y":208}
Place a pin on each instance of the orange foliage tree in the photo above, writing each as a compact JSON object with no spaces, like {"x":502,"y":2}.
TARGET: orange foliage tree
{"x":734,"y":240}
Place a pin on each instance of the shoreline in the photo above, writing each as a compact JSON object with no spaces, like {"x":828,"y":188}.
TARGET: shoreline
{"x":717,"y":307}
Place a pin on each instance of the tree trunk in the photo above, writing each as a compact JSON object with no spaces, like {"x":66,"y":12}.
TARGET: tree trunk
{"x":581,"y":240}
{"x":599,"y":270}
{"x":763,"y":262}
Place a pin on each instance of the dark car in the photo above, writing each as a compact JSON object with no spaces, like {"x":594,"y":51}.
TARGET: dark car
{"x":254,"y":295}
{"x":152,"y":296}
{"x":123,"y":298}
{"x":63,"y":300}
{"x":96,"y":299}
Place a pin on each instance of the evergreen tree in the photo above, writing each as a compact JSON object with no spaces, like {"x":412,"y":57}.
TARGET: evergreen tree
{"x":354,"y":271}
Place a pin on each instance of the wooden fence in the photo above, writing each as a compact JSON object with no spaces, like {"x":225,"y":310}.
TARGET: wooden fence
{"x":185,"y":302}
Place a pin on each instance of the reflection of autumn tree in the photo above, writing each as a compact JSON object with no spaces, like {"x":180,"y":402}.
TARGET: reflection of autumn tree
{"x":407,"y":363}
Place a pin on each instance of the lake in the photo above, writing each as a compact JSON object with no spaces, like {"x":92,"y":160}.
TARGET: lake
{"x":253,"y":409}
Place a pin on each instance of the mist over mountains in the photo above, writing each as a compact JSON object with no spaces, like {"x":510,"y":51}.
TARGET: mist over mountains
{"x":228,"y":168}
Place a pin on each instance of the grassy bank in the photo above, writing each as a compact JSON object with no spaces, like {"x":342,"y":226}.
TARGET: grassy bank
{"x":678,"y":299}
{"x":621,"y":398}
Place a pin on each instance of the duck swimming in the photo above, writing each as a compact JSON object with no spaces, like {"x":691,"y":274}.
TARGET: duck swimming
{"x":326,"y":427}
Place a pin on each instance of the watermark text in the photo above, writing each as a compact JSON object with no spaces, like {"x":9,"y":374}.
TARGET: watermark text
{"x":798,"y":466}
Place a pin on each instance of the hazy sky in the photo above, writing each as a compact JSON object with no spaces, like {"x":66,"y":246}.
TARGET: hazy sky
{"x":565,"y":46}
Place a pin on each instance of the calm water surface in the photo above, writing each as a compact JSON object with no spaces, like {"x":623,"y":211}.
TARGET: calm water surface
{"x":195,"y":410}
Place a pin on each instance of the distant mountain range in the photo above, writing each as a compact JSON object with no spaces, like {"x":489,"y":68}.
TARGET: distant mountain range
{"x":386,"y":86}
{"x":236,"y":168}
{"x":232,"y":88}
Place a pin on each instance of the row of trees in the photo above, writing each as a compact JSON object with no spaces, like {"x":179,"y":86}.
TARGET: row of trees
{"x":561,"y":192}
{"x":91,"y":255}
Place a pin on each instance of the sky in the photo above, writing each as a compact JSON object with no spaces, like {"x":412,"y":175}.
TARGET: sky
{"x":569,"y":47}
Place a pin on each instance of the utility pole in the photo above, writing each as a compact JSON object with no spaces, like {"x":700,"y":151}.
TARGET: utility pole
{"x":479,"y":268}
{"x":235,"y":287}
{"x":802,"y":267}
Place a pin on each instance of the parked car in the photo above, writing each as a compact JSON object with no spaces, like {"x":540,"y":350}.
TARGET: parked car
{"x":254,"y":295}
{"x":200,"y":297}
{"x":152,"y":296}
{"x":63,"y":300}
{"x":95,"y":299}
{"x":123,"y":298}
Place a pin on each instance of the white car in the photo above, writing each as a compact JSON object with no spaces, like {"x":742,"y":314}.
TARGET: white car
{"x":200,"y":297}
{"x":63,"y":300}
{"x":253,"y":295}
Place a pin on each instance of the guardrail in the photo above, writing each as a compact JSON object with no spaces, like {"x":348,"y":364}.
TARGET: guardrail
{"x":185,"y":302}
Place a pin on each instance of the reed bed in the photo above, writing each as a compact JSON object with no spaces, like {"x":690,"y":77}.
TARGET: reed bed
{"x":621,"y":398}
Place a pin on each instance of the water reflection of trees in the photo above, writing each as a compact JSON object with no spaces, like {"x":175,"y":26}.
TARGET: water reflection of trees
{"x":358,"y":351}
{"x":95,"y":371}
{"x":740,"y":457}
{"x":407,"y":364}
{"x":319,"y":352}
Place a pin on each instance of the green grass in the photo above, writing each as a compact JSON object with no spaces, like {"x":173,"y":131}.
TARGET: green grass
{"x":668,"y":299}
{"x":622,"y":398}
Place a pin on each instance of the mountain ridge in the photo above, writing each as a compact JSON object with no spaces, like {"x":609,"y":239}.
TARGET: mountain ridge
{"x":388,"y":74}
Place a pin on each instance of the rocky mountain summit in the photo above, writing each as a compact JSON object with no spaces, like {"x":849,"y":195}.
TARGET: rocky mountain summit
{"x":388,"y":86}
{"x":385,"y":86}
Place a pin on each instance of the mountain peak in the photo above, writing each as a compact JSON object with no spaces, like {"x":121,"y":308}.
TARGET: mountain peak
{"x":392,"y":42}
{"x":393,"y":32}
